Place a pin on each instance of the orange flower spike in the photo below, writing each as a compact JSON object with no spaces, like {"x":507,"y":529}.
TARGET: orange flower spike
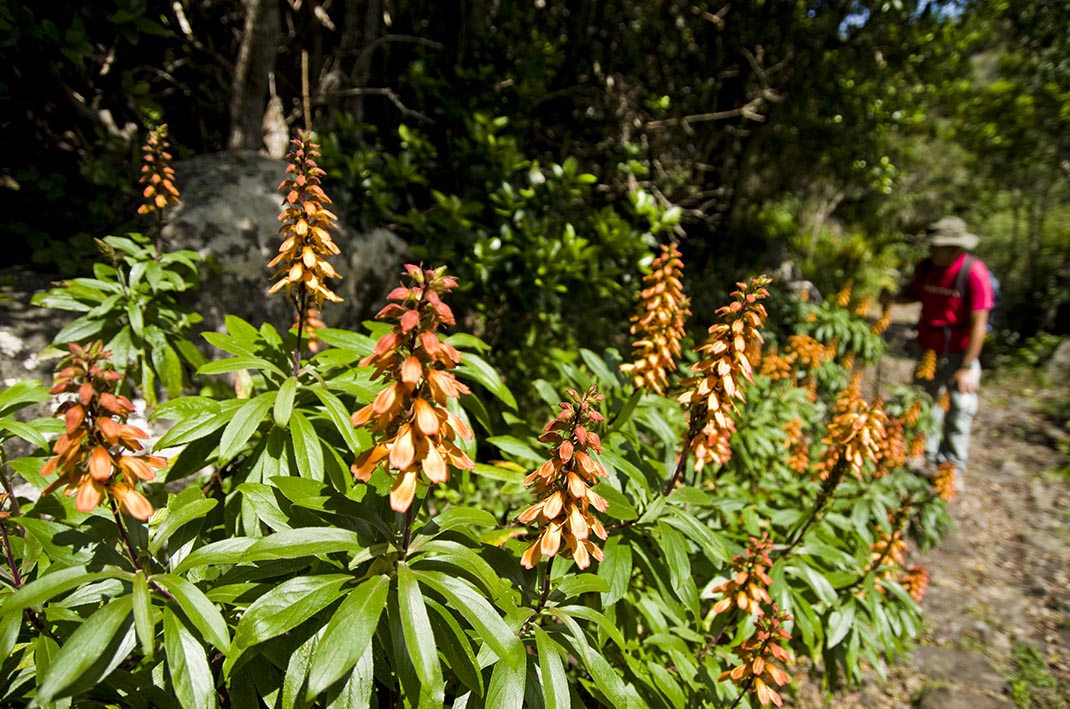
{"x":927,"y":366}
{"x":156,"y":174}
{"x":758,"y":672}
{"x":659,"y":322}
{"x":415,"y":431}
{"x":90,"y":452}
{"x":564,"y":485}
{"x":301,"y":263}
{"x":944,"y":481}
{"x":915,"y":581}
{"x":747,"y":587}
{"x":855,"y":432}
{"x":721,"y":369}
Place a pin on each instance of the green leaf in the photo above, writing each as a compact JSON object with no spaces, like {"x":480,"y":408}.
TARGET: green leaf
{"x":187,"y":664}
{"x":94,"y":649}
{"x":80,"y":330}
{"x":598,"y":367}
{"x":26,"y":431}
{"x":233,"y":364}
{"x":20,"y":394}
{"x":306,"y":541}
{"x":244,"y":424}
{"x":462,"y":517}
{"x":197,"y":427}
{"x":507,"y":684}
{"x":816,"y":581}
{"x":515,"y":447}
{"x":169,"y":367}
{"x":52,"y":584}
{"x":616,"y":569}
{"x":137,"y":318}
{"x":711,"y":545}
{"x":555,"y":692}
{"x":603,"y":674}
{"x":574,"y":585}
{"x":455,"y":646}
{"x":175,"y":518}
{"x":284,"y":402}
{"x":287,"y":606}
{"x":839,"y":624}
{"x":348,"y":634}
{"x":336,"y":412}
{"x":480,"y":614}
{"x":225,"y":551}
{"x":146,"y":629}
{"x":419,"y":636}
{"x":475,"y":368}
{"x":198,"y":608}
{"x":674,"y":550}
{"x":307,"y":448}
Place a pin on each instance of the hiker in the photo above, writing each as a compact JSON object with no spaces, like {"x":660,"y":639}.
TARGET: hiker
{"x":956,"y":294}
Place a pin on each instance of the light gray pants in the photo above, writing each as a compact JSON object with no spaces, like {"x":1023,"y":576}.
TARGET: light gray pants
{"x":949,"y":438}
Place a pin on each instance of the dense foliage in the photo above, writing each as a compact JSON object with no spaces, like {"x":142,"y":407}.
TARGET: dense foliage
{"x":328,"y":528}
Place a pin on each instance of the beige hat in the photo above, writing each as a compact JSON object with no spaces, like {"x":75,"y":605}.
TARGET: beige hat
{"x":951,"y":231}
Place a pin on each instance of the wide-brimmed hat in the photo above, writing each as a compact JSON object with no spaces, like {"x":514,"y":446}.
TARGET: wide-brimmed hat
{"x":951,"y":231}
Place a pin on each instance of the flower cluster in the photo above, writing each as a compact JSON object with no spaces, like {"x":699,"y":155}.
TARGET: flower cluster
{"x":944,"y":481}
{"x":798,"y":445}
{"x":758,"y":672}
{"x":156,"y":173}
{"x":889,"y":550}
{"x":807,"y":354}
{"x":776,"y":366}
{"x":927,"y":367}
{"x":564,"y":485}
{"x":414,"y":429}
{"x":306,"y":223}
{"x":659,"y":323}
{"x":843,"y":297}
{"x":861,"y":308}
{"x":747,"y":589}
{"x":722,"y":366}
{"x":90,"y":456}
{"x":892,"y":448}
{"x":915,"y":581}
{"x":854,"y":434}
{"x":885,"y":321}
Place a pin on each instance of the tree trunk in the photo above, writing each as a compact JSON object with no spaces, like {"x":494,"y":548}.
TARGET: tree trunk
{"x":256,"y":61}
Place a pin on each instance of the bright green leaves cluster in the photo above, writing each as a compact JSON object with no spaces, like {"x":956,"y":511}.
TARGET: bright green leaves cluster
{"x":130,"y":305}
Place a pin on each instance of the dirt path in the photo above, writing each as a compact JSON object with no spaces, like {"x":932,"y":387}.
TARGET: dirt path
{"x":999,"y":582}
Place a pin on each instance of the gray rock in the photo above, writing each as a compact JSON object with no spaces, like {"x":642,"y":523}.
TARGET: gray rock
{"x":229,"y":209}
{"x":952,"y":698}
{"x":1058,"y":367}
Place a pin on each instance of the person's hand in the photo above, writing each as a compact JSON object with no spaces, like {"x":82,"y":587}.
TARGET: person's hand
{"x":966,"y":380}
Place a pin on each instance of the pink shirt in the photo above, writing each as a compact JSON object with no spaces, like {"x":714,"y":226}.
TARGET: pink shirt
{"x":944,"y":325}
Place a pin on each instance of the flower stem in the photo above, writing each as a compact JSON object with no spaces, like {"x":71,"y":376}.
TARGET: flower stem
{"x":835,"y":475}
{"x":406,"y":536}
{"x":15,"y":509}
{"x":301,"y":302}
{"x":543,"y":597}
{"x":16,"y":577}
{"x":130,"y":549}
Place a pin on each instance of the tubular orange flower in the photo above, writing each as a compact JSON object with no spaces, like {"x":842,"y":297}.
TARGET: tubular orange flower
{"x":306,"y":224}
{"x":927,"y":366}
{"x":659,"y":322}
{"x":861,"y":308}
{"x":760,"y":654}
{"x":892,"y":449}
{"x":798,"y":446}
{"x":777,"y":366}
{"x":843,"y":298}
{"x":414,"y":430}
{"x":917,"y":445}
{"x":747,"y":589}
{"x":807,"y":354}
{"x":564,"y":485}
{"x":89,"y":456}
{"x":887,"y":553}
{"x":944,"y":481}
{"x":156,"y":174}
{"x":854,"y":434}
{"x":723,"y":366}
{"x":884,"y":322}
{"x":915,"y":581}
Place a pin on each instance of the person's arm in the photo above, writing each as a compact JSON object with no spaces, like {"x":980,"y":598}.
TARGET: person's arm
{"x":964,"y":378}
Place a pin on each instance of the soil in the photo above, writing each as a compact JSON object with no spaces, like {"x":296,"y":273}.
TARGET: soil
{"x":1000,"y":580}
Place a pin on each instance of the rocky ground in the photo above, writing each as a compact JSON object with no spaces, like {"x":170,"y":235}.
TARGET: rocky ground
{"x":998,"y":604}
